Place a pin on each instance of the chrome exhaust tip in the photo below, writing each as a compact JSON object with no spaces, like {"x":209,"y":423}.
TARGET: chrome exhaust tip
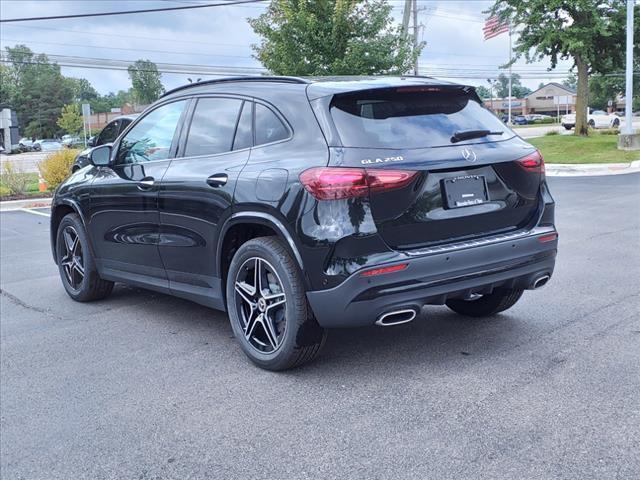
{"x":541,"y":281}
{"x":396,"y":317}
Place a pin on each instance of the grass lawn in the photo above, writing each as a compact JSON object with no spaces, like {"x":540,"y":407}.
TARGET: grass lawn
{"x":595,"y":148}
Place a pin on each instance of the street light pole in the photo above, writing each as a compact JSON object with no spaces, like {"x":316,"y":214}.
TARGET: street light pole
{"x":628,"y":100}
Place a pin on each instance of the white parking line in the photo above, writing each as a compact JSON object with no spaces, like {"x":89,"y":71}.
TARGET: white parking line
{"x":35,"y":212}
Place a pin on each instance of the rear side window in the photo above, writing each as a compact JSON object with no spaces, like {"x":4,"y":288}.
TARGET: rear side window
{"x":213,"y":126}
{"x":244,"y":132}
{"x":269,"y":128}
{"x":393,"y":118}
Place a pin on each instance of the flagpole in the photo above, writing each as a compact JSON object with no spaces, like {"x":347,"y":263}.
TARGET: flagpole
{"x":510,"y":55}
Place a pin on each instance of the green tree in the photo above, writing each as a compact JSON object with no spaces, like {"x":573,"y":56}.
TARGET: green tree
{"x":332,"y":37}
{"x":83,"y":91}
{"x":590,"y":32}
{"x":70,"y":120}
{"x":483,"y":92}
{"x":146,"y":81}
{"x":501,"y":86}
{"x":36,"y":90}
{"x":571,"y":82}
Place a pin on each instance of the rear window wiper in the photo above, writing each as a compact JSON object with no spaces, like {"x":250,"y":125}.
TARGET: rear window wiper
{"x":461,"y":135}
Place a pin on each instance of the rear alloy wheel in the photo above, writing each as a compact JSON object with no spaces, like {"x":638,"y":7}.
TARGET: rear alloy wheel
{"x":77,"y":268}
{"x":592,"y":123}
{"x":268,"y":308}
{"x":616,"y":122}
{"x":486,"y":305}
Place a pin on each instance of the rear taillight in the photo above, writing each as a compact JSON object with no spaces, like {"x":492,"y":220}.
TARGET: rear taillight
{"x":532,"y":163}
{"x":333,"y":183}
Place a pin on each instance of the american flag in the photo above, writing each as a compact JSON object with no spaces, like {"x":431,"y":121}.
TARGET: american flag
{"x":494,"y":27}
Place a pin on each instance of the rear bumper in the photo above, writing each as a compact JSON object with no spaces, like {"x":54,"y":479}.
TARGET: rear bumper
{"x":436,"y":275}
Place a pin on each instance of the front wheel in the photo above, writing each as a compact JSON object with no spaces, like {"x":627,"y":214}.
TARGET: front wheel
{"x":268,"y":308}
{"x":486,"y":305}
{"x":616,"y":123}
{"x":77,"y":267}
{"x":567,"y":127}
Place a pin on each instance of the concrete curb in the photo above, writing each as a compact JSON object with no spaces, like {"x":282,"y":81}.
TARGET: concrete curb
{"x":591,"y":169}
{"x":9,"y":205}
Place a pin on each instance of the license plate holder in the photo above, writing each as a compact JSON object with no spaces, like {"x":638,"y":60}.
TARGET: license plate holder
{"x":464,"y":191}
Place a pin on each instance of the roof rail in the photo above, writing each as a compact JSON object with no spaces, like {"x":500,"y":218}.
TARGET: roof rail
{"x":256,"y":78}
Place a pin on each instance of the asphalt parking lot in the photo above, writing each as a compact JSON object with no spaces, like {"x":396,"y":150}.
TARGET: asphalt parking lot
{"x":145,"y":386}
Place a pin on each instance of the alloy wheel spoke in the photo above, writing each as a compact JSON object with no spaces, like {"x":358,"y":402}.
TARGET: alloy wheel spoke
{"x":68,"y":241}
{"x":269,"y":331}
{"x":245,"y":293}
{"x":79,"y":268}
{"x":251,"y":323}
{"x":258,"y":276}
{"x":275,"y":300}
{"x":68,"y":271}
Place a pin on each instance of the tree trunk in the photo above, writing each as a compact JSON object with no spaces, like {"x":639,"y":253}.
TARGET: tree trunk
{"x":582,"y":98}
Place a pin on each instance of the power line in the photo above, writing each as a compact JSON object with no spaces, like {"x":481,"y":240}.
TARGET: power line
{"x":140,"y":37}
{"x":129,"y":12}
{"x":170,"y":52}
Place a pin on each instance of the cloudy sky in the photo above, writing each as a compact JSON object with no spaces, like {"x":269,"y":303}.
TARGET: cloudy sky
{"x":221,"y":37}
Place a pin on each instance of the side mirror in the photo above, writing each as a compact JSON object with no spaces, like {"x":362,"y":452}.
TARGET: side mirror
{"x":91,"y":142}
{"x":100,"y":156}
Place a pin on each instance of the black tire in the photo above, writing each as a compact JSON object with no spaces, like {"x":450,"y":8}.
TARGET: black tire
{"x":616,"y":123}
{"x":568,"y":127}
{"x":295,"y":337}
{"x":487,"y":305}
{"x":87,"y":286}
{"x":592,"y":123}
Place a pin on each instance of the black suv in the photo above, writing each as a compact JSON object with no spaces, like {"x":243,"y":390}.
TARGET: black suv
{"x":298,"y":206}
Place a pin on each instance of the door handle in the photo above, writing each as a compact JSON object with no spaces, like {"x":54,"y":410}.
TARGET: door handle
{"x":146,"y":183}
{"x":217,"y":180}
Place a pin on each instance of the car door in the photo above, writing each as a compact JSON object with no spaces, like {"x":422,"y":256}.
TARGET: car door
{"x":196,"y":194}
{"x":124,"y":218}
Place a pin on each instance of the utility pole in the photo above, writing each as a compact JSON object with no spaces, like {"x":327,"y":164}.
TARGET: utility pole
{"x":628,"y":97}
{"x":415,"y":33}
{"x":406,"y":16}
{"x":411,"y":10}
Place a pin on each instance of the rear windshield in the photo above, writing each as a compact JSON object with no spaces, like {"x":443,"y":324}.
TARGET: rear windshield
{"x":393,"y":118}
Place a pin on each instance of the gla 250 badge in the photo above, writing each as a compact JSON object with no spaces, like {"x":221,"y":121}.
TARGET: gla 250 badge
{"x":370,"y":161}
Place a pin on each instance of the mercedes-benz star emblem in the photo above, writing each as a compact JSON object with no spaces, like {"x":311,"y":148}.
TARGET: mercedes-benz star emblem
{"x":469,"y":155}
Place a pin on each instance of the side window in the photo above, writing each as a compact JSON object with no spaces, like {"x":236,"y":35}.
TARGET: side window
{"x":269,"y":128}
{"x":124,"y":123}
{"x":109,"y":133}
{"x":212,"y":127}
{"x":151,"y":138}
{"x":244,"y":132}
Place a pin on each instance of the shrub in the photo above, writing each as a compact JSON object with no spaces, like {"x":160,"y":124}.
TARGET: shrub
{"x":56,"y":167}
{"x":14,"y":179}
{"x":608,"y":131}
{"x":544,"y":121}
{"x":551,"y":132}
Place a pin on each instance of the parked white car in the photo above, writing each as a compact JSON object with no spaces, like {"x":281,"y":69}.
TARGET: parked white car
{"x":596,"y":119}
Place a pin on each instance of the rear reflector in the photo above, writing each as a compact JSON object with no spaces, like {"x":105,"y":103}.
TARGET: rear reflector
{"x":533,"y":163}
{"x":548,"y":238}
{"x":333,"y":183}
{"x":382,"y":270}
